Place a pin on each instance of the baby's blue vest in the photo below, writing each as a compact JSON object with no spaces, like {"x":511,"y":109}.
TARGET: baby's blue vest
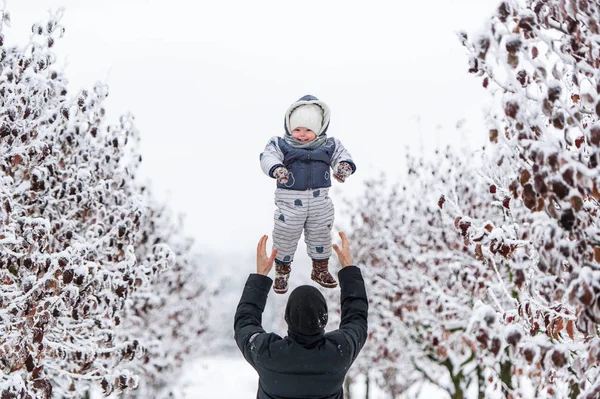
{"x":308,"y":168}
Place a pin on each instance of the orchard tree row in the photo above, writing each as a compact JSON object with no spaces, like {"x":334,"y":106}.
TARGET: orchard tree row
{"x":98,"y":286}
{"x":485,"y":270}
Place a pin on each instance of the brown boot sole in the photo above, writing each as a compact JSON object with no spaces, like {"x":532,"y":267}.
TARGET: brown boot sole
{"x":322,"y":284}
{"x":280,"y":291}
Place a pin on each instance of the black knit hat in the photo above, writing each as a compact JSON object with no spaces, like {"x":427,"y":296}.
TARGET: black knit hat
{"x":306,"y":311}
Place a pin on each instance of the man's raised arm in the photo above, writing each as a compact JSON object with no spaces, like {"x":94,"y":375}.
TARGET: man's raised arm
{"x":247,"y":322}
{"x":353,"y":298}
{"x":248,"y":332}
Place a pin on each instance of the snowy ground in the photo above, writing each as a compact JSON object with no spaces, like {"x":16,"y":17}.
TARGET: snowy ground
{"x":222,"y":377}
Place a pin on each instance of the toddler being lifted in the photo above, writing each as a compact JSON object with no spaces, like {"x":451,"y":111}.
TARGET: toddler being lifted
{"x":302,"y":161}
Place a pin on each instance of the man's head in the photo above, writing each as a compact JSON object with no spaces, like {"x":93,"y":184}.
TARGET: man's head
{"x":306,"y":311}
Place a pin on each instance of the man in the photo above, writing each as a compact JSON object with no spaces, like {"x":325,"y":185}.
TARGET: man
{"x":308,"y":363}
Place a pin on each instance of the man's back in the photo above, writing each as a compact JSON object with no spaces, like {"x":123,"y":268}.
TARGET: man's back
{"x":300,"y":365}
{"x":288,"y":367}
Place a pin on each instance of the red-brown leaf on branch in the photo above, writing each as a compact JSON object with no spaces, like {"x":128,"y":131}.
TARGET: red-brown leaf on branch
{"x":68,"y":276}
{"x":567,"y":219}
{"x":484,"y":45}
{"x":519,"y":277}
{"x":478,"y":252}
{"x":17,"y":159}
{"x":558,"y":358}
{"x":560,"y":189}
{"x":473,"y":65}
{"x":503,"y":11}
{"x":595,"y":135}
{"x":37,"y":371}
{"x":554,"y":93}
{"x":522,"y":77}
{"x":507,"y":251}
{"x":482,"y":338}
{"x":559,"y":121}
{"x":576,"y":203}
{"x":587,"y":296}
{"x":38,"y":335}
{"x":464,"y":227}
{"x":528,"y":196}
{"x":511,"y":109}
{"x":596,"y":192}
{"x":29,"y":363}
{"x":540,"y":184}
{"x":525,"y":176}
{"x":547,"y":107}
{"x":496,"y":345}
{"x":513,"y":338}
{"x":556,"y":326}
{"x":44,"y":385}
{"x":568,"y":177}
{"x":570,"y":330}
{"x":513,"y":45}
{"x":512,"y":60}
{"x":529,"y":355}
{"x":527,"y":23}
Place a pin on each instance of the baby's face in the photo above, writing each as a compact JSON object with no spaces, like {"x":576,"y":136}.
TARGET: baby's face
{"x":303,"y":134}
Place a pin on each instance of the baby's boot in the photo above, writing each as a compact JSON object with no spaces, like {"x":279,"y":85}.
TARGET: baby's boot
{"x":320,"y":274}
{"x":282,"y":274}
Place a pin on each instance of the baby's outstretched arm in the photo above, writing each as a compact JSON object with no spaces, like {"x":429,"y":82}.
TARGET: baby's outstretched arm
{"x":272,"y":157}
{"x":341,"y":160}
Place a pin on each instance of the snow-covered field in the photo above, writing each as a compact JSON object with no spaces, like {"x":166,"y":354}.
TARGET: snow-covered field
{"x":222,"y":377}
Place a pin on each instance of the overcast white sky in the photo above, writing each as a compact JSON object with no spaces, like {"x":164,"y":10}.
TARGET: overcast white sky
{"x":209,"y":82}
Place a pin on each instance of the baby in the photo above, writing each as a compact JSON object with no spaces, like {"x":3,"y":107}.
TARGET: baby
{"x":301,"y":162}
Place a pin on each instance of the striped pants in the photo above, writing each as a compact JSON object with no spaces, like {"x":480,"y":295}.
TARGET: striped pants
{"x":310,"y":211}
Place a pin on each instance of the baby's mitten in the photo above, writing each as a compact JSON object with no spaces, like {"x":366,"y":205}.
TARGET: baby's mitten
{"x":281,"y":174}
{"x":343,"y":171}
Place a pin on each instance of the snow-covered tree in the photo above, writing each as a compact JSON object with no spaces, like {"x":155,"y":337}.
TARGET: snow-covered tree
{"x":428,"y":290}
{"x":97,"y":280}
{"x":541,"y":61}
{"x":501,"y":283}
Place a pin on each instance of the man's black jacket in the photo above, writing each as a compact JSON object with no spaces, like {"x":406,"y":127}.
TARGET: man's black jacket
{"x":289,"y":369}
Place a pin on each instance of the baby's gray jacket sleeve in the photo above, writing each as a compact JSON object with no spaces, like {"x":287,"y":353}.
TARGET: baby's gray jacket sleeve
{"x":341,"y":155}
{"x":272,"y":157}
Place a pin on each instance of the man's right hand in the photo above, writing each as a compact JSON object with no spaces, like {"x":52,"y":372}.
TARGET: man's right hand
{"x":344,"y":254}
{"x":264,"y":263}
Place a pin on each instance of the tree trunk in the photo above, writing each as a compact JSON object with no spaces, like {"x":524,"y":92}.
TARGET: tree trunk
{"x":506,"y":377}
{"x":480,"y":383}
{"x":347,"y":388}
{"x":367,"y":383}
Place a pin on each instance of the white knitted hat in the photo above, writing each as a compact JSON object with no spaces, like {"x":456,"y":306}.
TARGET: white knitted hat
{"x":309,"y":116}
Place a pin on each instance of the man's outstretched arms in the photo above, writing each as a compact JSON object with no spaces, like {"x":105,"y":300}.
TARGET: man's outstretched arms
{"x":247,"y":323}
{"x":353,"y":297}
{"x":248,"y":332}
{"x":355,"y":307}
